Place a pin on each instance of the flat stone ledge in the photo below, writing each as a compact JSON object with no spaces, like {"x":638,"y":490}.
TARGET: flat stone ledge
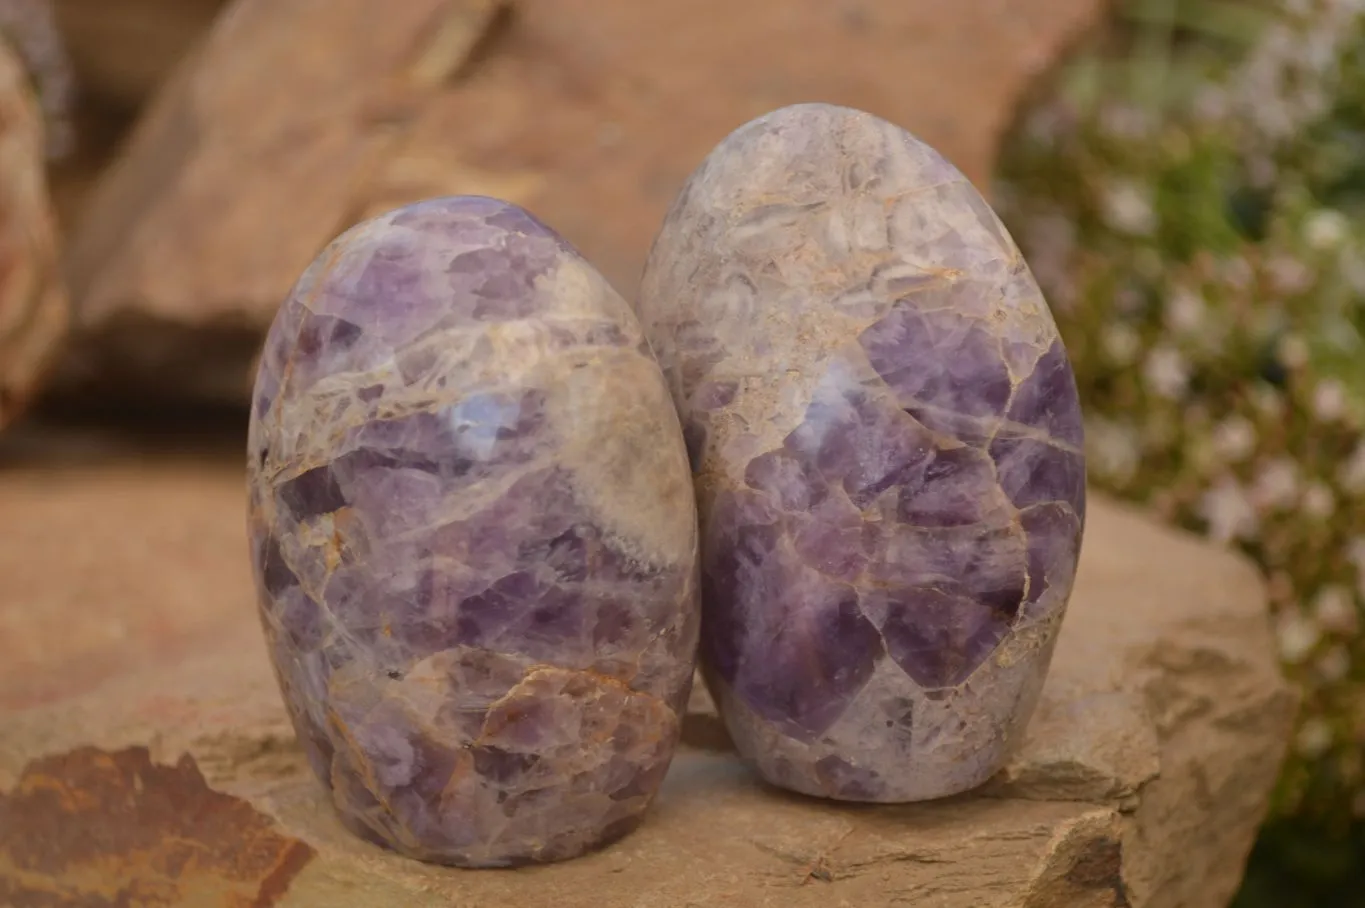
{"x":1142,"y":780}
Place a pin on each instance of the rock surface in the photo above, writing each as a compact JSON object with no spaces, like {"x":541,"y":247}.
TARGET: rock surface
{"x":117,"y":54}
{"x":474,"y":537}
{"x":111,"y":552}
{"x":888,"y":452}
{"x":122,"y":50}
{"x":555,"y":107}
{"x":1140,"y":782}
{"x":33,"y":303}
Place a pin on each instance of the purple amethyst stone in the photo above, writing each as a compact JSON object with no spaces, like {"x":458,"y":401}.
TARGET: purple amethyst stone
{"x":474,"y":538}
{"x":887,"y":447}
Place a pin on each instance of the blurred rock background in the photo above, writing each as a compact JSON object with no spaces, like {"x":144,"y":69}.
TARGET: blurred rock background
{"x":1185,"y":176}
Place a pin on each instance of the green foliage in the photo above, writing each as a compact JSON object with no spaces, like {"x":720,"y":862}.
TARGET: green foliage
{"x":1191,"y":195}
{"x":1295,"y":866}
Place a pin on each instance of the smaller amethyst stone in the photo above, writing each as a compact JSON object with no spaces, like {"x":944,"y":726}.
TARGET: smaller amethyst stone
{"x":474,"y":538}
{"x":886,"y":441}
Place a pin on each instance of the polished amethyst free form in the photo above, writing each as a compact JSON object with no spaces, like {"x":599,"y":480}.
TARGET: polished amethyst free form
{"x":474,"y":538}
{"x":887,"y":446}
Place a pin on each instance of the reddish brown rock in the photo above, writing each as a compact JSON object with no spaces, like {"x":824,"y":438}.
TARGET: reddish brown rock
{"x":83,"y":826}
{"x":33,"y":304}
{"x":589,"y":114}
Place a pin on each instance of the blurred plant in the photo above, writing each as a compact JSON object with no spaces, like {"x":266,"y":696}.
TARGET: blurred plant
{"x":30,"y":28}
{"x":1191,"y":195}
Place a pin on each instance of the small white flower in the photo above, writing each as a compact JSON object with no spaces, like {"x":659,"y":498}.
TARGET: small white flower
{"x":1297,"y":637}
{"x":1329,"y":400}
{"x":1124,"y":121}
{"x":1355,"y":553}
{"x":1276,"y":485}
{"x":1115,"y":449}
{"x":1351,"y":473}
{"x":1326,"y":229}
{"x":1318,"y":49}
{"x":1166,"y":372}
{"x":1293,"y":351}
{"x":1049,"y":123}
{"x":1314,"y":738}
{"x":1335,"y":610}
{"x":1267,"y":401}
{"x":1236,"y":272}
{"x":1335,"y":664}
{"x":1185,"y":311}
{"x":1211,"y":102}
{"x":1289,"y":275}
{"x":1129,"y":300}
{"x":1228,"y":512}
{"x":1121,"y":343}
{"x":1050,"y":241}
{"x":1234,"y":438}
{"x":1319,"y":501}
{"x":1128,"y":208}
{"x":1052,"y":231}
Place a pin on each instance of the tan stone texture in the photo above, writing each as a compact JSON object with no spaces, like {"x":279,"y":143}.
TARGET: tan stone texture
{"x":299,"y":117}
{"x":1140,"y":783}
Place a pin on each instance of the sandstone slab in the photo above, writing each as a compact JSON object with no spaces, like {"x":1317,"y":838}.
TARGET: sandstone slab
{"x":33,"y":304}
{"x":122,"y":50}
{"x":1140,"y":782}
{"x":590,"y":114}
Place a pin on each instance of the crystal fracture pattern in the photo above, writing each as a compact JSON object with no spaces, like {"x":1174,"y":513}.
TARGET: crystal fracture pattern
{"x":887,"y":446}
{"x":474,"y":537}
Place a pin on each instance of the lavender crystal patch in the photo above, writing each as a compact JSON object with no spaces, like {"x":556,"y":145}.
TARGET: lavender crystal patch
{"x":475,"y":539}
{"x":894,"y":496}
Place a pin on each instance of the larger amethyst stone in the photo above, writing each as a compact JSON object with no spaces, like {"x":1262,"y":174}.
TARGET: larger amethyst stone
{"x":474,"y":537}
{"x":886,"y":441}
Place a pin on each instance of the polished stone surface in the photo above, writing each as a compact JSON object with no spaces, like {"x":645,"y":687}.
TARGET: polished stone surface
{"x":474,"y":537}
{"x":887,"y":444}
